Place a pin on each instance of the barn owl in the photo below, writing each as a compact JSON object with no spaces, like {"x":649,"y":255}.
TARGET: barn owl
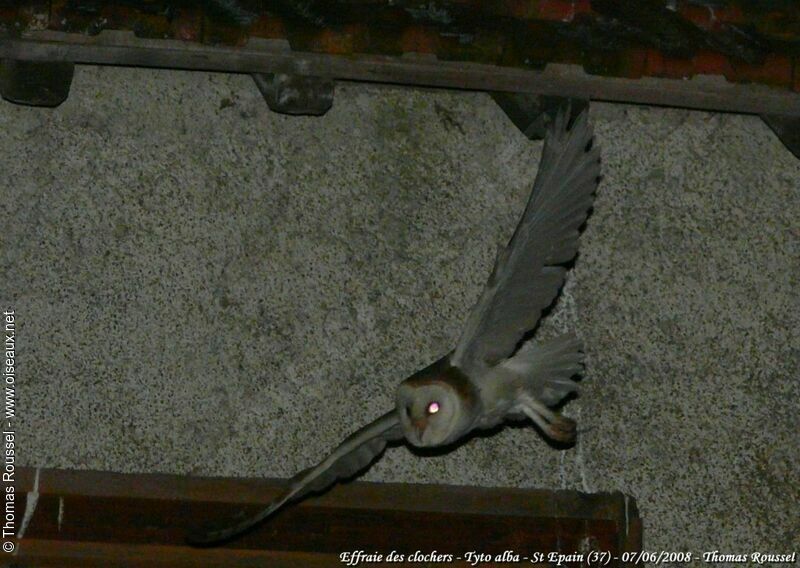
{"x":494,"y":373}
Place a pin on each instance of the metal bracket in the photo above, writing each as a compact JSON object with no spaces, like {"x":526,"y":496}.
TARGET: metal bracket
{"x":296,"y":94}
{"x":37,"y":83}
{"x":533,"y":113}
{"x":787,"y":129}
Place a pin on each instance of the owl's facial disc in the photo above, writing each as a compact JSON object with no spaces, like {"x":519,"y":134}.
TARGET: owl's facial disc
{"x":428,"y":413}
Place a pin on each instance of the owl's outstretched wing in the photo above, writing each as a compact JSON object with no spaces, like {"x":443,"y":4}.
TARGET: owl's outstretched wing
{"x":528,"y":274}
{"x":354,"y":454}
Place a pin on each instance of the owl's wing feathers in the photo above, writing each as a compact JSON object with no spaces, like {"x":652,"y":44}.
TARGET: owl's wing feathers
{"x":547,"y":367}
{"x":527,"y":274}
{"x":354,"y":454}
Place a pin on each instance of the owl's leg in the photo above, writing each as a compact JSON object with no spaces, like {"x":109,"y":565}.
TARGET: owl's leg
{"x":556,"y":426}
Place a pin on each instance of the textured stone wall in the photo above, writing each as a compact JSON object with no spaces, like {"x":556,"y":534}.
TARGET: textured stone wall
{"x":205,"y":287}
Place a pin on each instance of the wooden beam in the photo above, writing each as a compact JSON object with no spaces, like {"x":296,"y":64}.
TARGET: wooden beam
{"x":113,"y":47}
{"x":88,"y":518}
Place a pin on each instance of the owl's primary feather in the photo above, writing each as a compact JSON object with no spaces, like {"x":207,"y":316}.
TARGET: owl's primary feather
{"x":528,"y":273}
{"x":486,"y":379}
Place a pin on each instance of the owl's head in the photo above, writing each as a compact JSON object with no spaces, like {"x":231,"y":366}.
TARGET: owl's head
{"x":436,"y":406}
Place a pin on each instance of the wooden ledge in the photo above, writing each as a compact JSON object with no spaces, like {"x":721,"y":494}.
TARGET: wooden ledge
{"x":89,"y":518}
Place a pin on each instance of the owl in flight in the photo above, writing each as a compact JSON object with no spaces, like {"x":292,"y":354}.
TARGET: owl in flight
{"x":493,"y":374}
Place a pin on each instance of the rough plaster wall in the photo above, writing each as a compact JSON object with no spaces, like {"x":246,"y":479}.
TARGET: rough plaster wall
{"x":205,"y":287}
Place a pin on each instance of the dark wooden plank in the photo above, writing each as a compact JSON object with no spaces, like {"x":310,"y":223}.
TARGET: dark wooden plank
{"x":309,"y":529}
{"x":64,"y":554}
{"x":92,"y":518}
{"x":261,"y":56}
{"x":412,"y":497}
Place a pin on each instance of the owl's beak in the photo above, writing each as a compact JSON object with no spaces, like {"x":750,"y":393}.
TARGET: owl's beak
{"x":419,"y":427}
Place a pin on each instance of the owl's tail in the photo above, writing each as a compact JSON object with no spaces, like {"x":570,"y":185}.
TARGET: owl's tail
{"x":547,"y":368}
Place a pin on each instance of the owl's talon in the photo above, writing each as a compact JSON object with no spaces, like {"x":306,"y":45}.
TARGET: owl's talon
{"x":562,"y":429}
{"x":557,"y":427}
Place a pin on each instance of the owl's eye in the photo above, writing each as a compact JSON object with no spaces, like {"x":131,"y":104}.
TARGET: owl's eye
{"x":433,"y":408}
